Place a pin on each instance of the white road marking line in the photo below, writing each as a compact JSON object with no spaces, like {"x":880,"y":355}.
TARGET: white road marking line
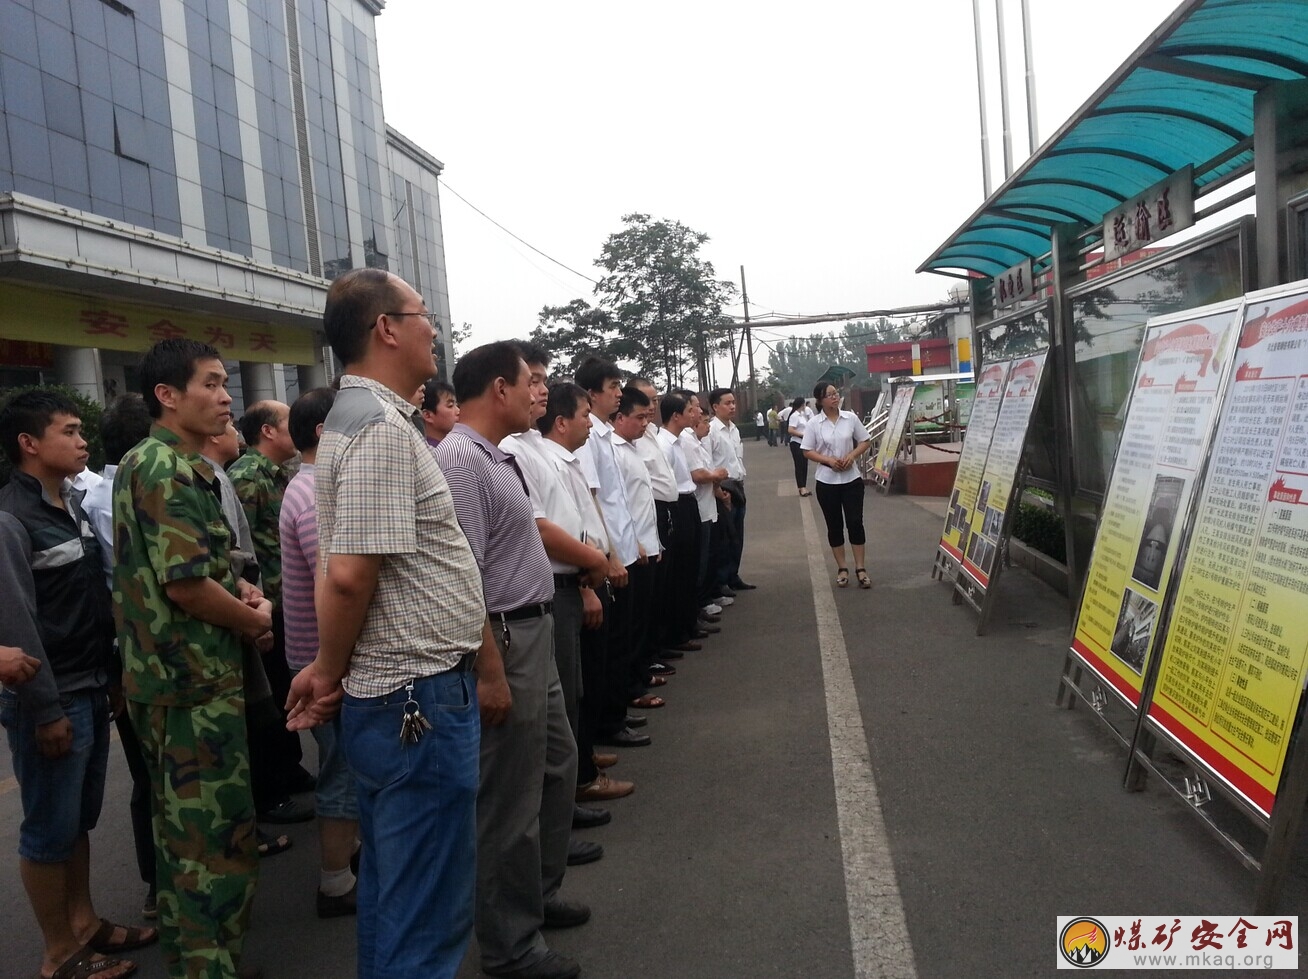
{"x":878,"y":930}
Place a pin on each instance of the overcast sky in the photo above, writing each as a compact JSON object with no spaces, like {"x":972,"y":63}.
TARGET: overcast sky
{"x":827,"y":147}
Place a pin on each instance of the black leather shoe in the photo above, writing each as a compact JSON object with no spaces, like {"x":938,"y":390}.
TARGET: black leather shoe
{"x":709,"y":628}
{"x":710,"y":617}
{"x":689,"y":646}
{"x":725,"y":592}
{"x":588,"y":817}
{"x":337,"y":907}
{"x":626,"y":738}
{"x":699,"y":634}
{"x":300,"y":781}
{"x":739,"y":585}
{"x":583,"y":851}
{"x":634,"y":721}
{"x":565,"y":914}
{"x":671,"y":654}
{"x":552,"y":966}
{"x":287,"y":812}
{"x":662,"y":669}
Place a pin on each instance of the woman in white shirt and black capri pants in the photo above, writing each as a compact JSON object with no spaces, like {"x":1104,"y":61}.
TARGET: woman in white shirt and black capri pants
{"x":834,"y":439}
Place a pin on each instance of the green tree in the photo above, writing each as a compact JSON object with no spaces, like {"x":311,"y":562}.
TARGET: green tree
{"x":664,"y":297}
{"x":574,"y":332}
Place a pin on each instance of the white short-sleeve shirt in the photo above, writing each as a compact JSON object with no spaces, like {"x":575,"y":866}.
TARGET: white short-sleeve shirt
{"x":837,"y":438}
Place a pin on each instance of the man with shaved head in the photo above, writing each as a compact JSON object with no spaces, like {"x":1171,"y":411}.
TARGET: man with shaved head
{"x":260,"y":481}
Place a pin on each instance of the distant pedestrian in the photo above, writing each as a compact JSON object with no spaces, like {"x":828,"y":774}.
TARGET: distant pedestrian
{"x":796,"y":418}
{"x":772,"y":426}
{"x":760,"y":424}
{"x":834,"y":439}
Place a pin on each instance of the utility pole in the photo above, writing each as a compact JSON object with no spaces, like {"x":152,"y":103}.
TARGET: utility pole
{"x":1032,"y":130}
{"x":1003,"y":91}
{"x":981,"y":97}
{"x":749,"y":343}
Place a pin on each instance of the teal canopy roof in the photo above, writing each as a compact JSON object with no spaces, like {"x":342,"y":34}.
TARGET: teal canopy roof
{"x":1185,"y":97}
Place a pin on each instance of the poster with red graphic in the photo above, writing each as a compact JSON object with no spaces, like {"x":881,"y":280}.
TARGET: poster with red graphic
{"x":985,"y":524}
{"x":1168,"y":426}
{"x":986,"y":399}
{"x":1231,"y":671}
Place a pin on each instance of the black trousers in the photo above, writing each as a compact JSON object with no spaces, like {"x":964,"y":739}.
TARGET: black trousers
{"x":142,"y":796}
{"x":628,"y":603}
{"x":594,"y":653}
{"x":801,"y":465}
{"x":842,"y":506}
{"x":684,"y":570}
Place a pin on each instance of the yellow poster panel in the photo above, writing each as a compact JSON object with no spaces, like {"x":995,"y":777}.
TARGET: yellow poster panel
{"x":1232,"y":665}
{"x":894,"y":433}
{"x":989,"y":394}
{"x":986,"y":522}
{"x":1177,"y":382}
{"x":68,"y":319}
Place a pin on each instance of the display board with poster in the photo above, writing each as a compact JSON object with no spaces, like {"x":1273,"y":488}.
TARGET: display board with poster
{"x":989,"y":520}
{"x":986,"y":399}
{"x":964,"y":398}
{"x":928,"y":407}
{"x":1184,"y":359}
{"x":883,"y":465}
{"x":1230,"y":675}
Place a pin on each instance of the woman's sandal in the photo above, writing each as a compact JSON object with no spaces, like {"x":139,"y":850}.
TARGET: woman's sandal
{"x":842,"y":577}
{"x":863,"y":580}
{"x":804,"y":492}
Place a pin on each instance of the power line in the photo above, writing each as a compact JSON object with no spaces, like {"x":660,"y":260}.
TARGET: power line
{"x":465,"y":200}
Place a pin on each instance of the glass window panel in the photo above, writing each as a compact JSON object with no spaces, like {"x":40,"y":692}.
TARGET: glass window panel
{"x":229,"y":131}
{"x":233,"y":175}
{"x":63,"y":107}
{"x":68,"y":159}
{"x":211,"y":169}
{"x":1109,"y":322}
{"x":34,"y":186}
{"x":55,"y":10}
{"x":215,"y":216}
{"x":136,"y":186}
{"x":20,"y":88}
{"x":197,"y":35}
{"x":92,"y":66}
{"x":163,"y":192}
{"x":29,"y":149}
{"x":120,"y":32}
{"x":206,"y":123}
{"x":150,"y":51}
{"x":55,"y":49}
{"x":201,"y":79}
{"x":1014,"y":336}
{"x":125,"y":79}
{"x":98,"y":120}
{"x":18,"y":32}
{"x":106,"y":181}
{"x":131,"y":135}
{"x":88,"y":20}
{"x":224,"y":90}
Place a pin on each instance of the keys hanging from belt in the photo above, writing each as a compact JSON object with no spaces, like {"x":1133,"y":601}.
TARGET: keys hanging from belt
{"x":413,"y":725}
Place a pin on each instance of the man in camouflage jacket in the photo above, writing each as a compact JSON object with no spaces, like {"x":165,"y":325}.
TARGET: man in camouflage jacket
{"x":181,"y":617}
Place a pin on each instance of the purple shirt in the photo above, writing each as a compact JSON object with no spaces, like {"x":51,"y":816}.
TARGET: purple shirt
{"x":299,"y":533}
{"x":495,"y":512}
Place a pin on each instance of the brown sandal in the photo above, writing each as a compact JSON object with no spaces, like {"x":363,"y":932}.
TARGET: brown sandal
{"x":863,"y":580}
{"x":647,"y":702}
{"x":842,"y":577}
{"x":132,"y":938}
{"x":86,"y":965}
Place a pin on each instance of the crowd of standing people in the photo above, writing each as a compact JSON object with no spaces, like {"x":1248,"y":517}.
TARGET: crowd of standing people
{"x":469,"y":594}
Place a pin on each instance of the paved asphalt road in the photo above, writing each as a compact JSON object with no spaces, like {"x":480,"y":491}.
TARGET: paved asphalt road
{"x":971,"y":811}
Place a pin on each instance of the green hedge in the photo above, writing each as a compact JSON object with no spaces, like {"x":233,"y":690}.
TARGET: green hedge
{"x":90,"y":410}
{"x":1041,"y":528}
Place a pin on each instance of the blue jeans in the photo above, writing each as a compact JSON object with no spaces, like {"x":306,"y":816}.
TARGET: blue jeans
{"x":61,"y":796}
{"x":417,"y":818}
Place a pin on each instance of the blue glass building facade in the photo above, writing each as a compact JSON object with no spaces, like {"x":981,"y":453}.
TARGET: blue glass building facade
{"x":202,"y":167}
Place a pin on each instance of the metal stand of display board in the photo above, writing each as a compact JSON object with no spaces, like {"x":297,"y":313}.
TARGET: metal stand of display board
{"x":968,"y":589}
